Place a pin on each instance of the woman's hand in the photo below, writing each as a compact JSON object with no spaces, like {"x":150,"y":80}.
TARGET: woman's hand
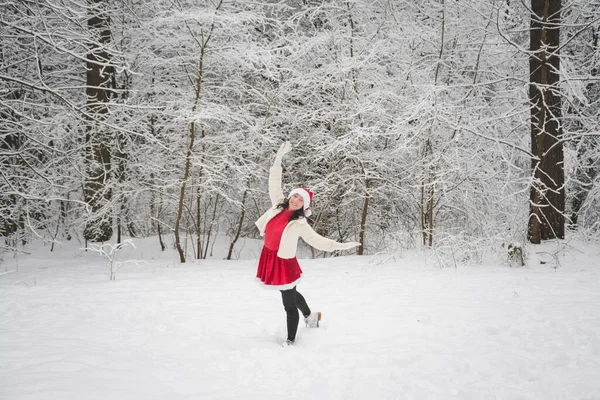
{"x":283,"y":150}
{"x":345,"y":246}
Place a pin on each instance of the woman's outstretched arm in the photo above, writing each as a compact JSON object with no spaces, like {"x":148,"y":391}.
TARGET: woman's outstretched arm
{"x":322,"y":243}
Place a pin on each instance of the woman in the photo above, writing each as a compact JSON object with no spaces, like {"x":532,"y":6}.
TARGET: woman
{"x":281,"y":226}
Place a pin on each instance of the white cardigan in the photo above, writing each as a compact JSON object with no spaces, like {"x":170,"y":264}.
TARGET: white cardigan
{"x":294,"y":229}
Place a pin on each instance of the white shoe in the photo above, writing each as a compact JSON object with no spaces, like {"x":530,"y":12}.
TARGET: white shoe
{"x":312,"y":321}
{"x":288,"y":343}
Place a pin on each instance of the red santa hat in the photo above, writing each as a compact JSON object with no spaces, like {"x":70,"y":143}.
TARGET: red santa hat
{"x":307,"y":196}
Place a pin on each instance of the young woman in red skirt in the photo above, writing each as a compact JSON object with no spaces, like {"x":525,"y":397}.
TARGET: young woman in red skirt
{"x":281,"y":226}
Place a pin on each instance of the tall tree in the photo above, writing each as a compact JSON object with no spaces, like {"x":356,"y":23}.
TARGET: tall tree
{"x":547,"y":193}
{"x":99,"y":89}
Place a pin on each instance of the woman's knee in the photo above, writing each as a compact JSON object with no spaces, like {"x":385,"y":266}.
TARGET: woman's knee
{"x":290,"y":308}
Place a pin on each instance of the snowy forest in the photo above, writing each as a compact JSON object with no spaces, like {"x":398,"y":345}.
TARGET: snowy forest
{"x":455,"y":142}
{"x":460,"y":125}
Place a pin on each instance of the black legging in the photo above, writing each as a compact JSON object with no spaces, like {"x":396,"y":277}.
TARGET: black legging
{"x":292,"y":302}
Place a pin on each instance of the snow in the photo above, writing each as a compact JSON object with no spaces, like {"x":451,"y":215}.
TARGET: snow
{"x":391,"y":329}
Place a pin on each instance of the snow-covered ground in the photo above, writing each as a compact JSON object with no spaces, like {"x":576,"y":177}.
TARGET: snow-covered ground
{"x":398,"y":329}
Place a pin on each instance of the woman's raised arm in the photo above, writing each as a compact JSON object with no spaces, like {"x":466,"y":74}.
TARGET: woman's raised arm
{"x":275,"y":191}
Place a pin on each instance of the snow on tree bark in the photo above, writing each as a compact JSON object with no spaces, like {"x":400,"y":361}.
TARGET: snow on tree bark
{"x":99,"y":90}
{"x":547,"y":193}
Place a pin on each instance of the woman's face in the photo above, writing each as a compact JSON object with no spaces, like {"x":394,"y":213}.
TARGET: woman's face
{"x":296,"y":202}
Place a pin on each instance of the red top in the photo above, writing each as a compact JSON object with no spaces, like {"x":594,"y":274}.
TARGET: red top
{"x":275,"y":227}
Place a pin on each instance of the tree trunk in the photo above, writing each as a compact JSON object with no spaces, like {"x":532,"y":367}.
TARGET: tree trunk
{"x":190,"y":149}
{"x":100,"y":82}
{"x":198,"y":222}
{"x":199,"y":242}
{"x":427,"y":177}
{"x":547,"y":194}
{"x":212,"y":223}
{"x":186,"y":175}
{"x":427,"y":202}
{"x":155,"y":215}
{"x":239,"y":228}
{"x":430,"y":206}
{"x":363,"y":219}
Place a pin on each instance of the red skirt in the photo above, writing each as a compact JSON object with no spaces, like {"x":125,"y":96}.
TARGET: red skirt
{"x":278,"y":273}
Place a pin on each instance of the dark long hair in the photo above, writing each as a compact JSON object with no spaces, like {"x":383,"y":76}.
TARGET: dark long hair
{"x":285,"y":203}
